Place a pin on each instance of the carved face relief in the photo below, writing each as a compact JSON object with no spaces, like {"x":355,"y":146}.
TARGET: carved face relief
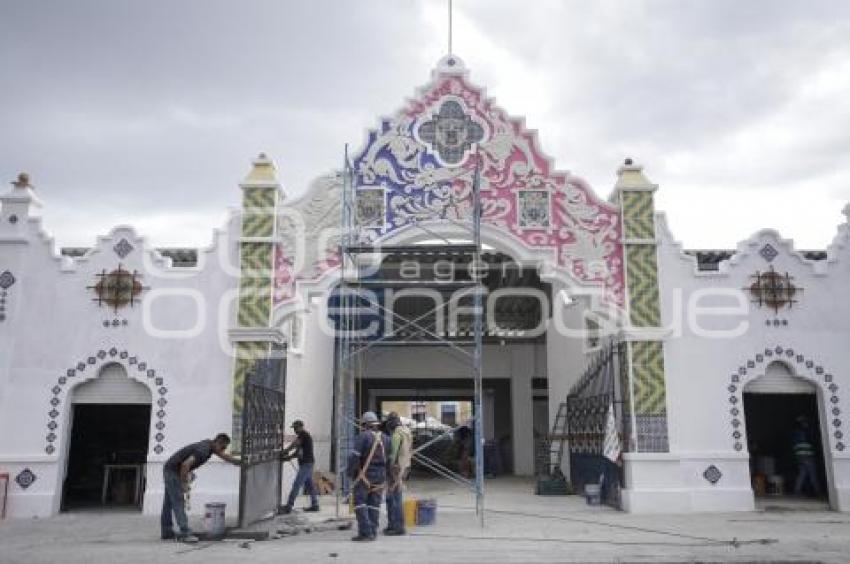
{"x":533,"y":208}
{"x":451,"y":132}
{"x":370,"y":207}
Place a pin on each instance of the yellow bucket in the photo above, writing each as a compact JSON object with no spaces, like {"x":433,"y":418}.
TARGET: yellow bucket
{"x":410,"y":507}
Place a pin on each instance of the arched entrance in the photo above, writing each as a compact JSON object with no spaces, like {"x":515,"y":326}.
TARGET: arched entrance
{"x":784,"y":438}
{"x":417,"y":362}
{"x":110,"y":419}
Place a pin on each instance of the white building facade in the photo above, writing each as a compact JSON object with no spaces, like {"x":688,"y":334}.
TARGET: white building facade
{"x":156,"y":344}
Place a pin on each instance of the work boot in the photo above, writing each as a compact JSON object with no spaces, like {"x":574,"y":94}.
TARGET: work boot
{"x":394,"y":532}
{"x":362,"y":538}
{"x":312,"y":509}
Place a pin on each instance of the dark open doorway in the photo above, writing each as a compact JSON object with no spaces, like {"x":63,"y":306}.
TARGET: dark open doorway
{"x":106,"y":460}
{"x":773,"y":427}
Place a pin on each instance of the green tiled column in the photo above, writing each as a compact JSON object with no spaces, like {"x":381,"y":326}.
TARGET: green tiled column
{"x":645,"y":357}
{"x":261,"y":195}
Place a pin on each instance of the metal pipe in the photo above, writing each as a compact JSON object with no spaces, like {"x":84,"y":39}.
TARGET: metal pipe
{"x":477,"y":364}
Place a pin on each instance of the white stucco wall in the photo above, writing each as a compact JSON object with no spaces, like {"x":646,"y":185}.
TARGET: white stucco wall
{"x":310,"y":389}
{"x":52,"y":324}
{"x":699,"y":365}
{"x":566,"y":355}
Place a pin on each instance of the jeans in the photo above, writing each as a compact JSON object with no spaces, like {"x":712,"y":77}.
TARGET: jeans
{"x":304,"y":478}
{"x":172,"y":501}
{"x":367,"y":502}
{"x":395,"y":509}
{"x":807,"y":471}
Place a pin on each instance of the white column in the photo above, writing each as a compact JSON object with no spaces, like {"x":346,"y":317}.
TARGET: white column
{"x":522,"y":371}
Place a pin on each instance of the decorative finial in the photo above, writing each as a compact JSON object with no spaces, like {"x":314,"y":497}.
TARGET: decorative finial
{"x":262,"y":170}
{"x":23,"y":181}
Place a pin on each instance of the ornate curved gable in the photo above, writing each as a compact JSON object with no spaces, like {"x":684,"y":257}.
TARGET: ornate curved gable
{"x":419,"y":167}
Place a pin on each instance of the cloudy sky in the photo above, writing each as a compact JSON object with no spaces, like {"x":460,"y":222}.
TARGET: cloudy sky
{"x":149,"y":112}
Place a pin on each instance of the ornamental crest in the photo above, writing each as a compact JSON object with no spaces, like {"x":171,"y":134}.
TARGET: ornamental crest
{"x":451,"y":132}
{"x":418,"y":167}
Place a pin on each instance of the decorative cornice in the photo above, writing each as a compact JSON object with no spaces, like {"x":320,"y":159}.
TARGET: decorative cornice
{"x":254,"y":334}
{"x":631,"y":333}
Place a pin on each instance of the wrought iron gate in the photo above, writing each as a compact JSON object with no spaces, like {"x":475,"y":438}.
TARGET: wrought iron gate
{"x":597,"y":423}
{"x":263,"y":429}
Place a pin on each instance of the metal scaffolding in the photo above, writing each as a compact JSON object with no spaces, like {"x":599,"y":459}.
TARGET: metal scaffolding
{"x":357,"y":304}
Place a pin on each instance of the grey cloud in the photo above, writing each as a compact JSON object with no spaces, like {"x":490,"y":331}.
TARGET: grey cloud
{"x":148,"y":108}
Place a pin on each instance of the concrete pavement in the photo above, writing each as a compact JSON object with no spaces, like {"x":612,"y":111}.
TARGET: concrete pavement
{"x":519,"y":527}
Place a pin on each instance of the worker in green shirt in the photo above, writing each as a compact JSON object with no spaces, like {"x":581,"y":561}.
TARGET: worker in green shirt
{"x":398,"y":468}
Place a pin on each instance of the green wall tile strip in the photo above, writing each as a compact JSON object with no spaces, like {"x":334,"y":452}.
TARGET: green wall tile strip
{"x":247,"y":354}
{"x":255,"y":288}
{"x":649,"y":390}
{"x":642,"y":276}
{"x":258,"y":212}
{"x":638,"y":215}
{"x":650,"y":396}
{"x":254,"y":304}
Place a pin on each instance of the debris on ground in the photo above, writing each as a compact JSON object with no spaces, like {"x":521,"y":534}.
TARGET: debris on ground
{"x":325,"y":482}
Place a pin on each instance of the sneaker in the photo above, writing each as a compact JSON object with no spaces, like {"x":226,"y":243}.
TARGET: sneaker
{"x":312,"y":509}
{"x":394,"y":532}
{"x":362,"y":538}
{"x":189,"y":539}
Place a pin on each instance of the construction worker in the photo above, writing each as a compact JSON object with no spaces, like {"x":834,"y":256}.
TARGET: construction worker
{"x":302,"y":447}
{"x":399,"y":465}
{"x":804,"y":453}
{"x":367,"y":467}
{"x":175,"y":475}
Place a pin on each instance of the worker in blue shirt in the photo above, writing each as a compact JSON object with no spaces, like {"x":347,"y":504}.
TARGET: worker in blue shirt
{"x":367,"y":467}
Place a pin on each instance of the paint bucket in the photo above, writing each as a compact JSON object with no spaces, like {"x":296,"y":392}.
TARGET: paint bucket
{"x":214,"y":519}
{"x":410,"y":508}
{"x":426,"y":512}
{"x":592,"y":494}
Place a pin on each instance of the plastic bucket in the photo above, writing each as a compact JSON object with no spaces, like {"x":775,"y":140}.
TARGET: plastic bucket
{"x":592,"y":494}
{"x":426,"y":512}
{"x":410,"y":509}
{"x":214,"y":519}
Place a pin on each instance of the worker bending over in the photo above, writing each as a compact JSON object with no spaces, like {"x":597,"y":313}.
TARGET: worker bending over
{"x":175,"y":476}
